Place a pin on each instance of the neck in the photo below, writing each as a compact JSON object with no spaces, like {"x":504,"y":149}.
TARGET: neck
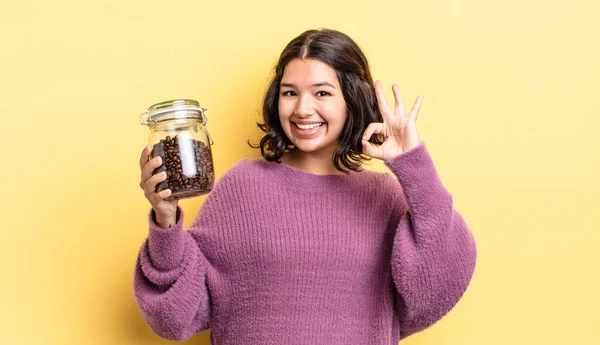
{"x":316,"y":163}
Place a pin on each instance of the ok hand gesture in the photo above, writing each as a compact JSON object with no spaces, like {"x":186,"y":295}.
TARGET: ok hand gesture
{"x":398,"y":128}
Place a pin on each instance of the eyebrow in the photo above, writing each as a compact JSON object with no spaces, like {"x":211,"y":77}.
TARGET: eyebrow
{"x":324,"y":83}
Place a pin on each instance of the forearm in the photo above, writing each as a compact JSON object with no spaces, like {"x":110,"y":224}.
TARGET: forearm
{"x":431,"y":275}
{"x":434,"y":252}
{"x":175,"y":302}
{"x":170,"y":282}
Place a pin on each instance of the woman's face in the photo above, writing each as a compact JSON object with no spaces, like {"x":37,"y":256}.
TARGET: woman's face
{"x":312,"y":109}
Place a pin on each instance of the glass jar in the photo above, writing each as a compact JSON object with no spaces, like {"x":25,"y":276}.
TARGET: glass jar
{"x":178,"y":134}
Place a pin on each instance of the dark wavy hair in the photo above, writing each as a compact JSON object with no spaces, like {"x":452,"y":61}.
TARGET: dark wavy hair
{"x":340,"y":52}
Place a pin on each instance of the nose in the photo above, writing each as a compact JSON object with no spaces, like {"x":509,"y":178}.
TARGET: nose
{"x":304,"y":107}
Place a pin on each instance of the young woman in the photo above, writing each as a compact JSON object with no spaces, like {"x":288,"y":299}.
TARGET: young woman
{"x":303,"y":246}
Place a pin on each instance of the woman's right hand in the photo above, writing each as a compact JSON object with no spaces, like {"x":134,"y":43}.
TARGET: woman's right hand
{"x":165,"y":209}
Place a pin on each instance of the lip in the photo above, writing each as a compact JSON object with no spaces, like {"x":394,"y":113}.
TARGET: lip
{"x":308,"y":123}
{"x":307,"y":133}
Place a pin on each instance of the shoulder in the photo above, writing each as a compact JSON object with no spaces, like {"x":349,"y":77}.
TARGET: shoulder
{"x":385,"y":184}
{"x":245,"y":166}
{"x":235,"y":180}
{"x":244,"y":169}
{"x":380,"y":181}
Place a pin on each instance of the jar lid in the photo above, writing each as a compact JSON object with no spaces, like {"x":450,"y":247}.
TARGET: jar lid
{"x":172,"y":110}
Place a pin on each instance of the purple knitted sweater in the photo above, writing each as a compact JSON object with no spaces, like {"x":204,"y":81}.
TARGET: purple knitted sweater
{"x":280,"y":256}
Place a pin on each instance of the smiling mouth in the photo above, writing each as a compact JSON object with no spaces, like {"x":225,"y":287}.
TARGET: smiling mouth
{"x":310,"y":126}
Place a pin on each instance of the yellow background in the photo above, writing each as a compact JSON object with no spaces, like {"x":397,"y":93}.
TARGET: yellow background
{"x":510,"y":116}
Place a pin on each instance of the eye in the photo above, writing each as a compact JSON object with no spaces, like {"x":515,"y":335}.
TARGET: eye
{"x":288,"y":93}
{"x":323,"y":93}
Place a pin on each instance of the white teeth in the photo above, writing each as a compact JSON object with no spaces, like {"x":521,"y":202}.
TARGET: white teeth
{"x":311,"y":126}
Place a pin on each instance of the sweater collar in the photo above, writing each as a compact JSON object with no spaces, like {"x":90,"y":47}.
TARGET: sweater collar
{"x":295,"y":178}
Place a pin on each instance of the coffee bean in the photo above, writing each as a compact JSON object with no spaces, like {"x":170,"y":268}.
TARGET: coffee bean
{"x":184,"y":186}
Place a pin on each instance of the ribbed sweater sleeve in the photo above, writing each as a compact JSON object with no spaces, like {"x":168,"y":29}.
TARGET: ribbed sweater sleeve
{"x":434,"y":253}
{"x":170,"y":282}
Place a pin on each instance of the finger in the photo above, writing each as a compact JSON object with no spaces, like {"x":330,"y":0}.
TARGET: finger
{"x":399,"y":108}
{"x":144,"y":156}
{"x":156,"y":198}
{"x":163,"y":194}
{"x":149,"y":169}
{"x":384,"y":107}
{"x":150,"y":184}
{"x":373,"y":128}
{"x":414,"y":113}
{"x":369,"y":149}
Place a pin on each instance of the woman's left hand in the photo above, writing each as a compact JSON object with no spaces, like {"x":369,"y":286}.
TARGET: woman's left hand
{"x":398,"y":129}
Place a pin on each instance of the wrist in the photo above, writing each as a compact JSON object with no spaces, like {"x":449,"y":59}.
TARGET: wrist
{"x":411,"y":145}
{"x":165,"y":221}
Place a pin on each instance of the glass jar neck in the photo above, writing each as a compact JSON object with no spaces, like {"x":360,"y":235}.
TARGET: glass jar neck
{"x":177,"y":125}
